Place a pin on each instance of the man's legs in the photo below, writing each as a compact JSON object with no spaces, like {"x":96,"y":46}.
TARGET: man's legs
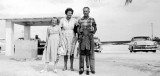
{"x":87,"y":64}
{"x":92,"y":58}
{"x":81,"y":64}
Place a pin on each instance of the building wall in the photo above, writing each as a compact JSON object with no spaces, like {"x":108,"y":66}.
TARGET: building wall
{"x":26,"y":48}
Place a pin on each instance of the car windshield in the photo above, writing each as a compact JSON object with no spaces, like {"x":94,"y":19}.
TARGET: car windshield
{"x":96,"y":40}
{"x":140,"y":38}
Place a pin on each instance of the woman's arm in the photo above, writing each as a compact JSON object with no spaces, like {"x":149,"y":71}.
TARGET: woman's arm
{"x":76,"y":27}
{"x":47,"y":36}
{"x":60,"y":36}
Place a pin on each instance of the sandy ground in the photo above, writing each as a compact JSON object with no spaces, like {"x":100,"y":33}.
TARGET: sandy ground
{"x":115,"y":60}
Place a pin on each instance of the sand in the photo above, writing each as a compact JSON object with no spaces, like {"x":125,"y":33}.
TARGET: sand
{"x":115,"y":60}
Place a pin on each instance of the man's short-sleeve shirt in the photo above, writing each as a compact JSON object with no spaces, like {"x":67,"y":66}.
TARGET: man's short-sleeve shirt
{"x":86,"y":27}
{"x":88,"y":24}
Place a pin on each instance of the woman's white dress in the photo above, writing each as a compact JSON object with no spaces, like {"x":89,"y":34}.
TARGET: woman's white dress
{"x":68,"y":34}
{"x":50,"y":53}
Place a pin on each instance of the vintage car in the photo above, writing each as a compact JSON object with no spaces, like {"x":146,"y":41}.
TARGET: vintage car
{"x":41,"y":46}
{"x":97,"y":47}
{"x":2,"y":45}
{"x":142,"y":43}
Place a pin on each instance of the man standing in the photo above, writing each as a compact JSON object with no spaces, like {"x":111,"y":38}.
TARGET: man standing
{"x":86,"y":30}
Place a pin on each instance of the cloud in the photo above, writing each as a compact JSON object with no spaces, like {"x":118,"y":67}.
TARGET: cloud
{"x":39,"y":8}
{"x":60,"y":1}
{"x":112,"y":16}
{"x":1,"y":7}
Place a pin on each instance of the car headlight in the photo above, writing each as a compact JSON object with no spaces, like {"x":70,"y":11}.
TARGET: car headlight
{"x":155,"y":43}
{"x":135,"y":43}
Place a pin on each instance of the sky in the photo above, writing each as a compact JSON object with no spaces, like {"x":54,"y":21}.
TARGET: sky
{"x":115,"y":21}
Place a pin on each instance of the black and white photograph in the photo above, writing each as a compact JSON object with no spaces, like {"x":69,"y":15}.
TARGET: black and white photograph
{"x":79,"y":38}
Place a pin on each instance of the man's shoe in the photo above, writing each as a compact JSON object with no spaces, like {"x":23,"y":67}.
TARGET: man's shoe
{"x":93,"y":72}
{"x":87,"y":72}
{"x":72,"y":69}
{"x":80,"y":72}
{"x":65,"y":68}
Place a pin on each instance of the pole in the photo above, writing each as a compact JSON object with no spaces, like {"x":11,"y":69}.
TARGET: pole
{"x":22,"y":33}
{"x":152,"y":30}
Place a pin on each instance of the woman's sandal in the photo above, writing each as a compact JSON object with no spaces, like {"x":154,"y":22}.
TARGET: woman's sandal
{"x":55,"y":70}
{"x":43,"y":71}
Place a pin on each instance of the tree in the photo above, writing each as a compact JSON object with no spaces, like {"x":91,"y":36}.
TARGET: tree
{"x":128,"y":1}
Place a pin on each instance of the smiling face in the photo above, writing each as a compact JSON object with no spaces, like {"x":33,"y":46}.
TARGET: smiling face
{"x":69,"y":14}
{"x":86,"y":11}
{"x":54,"y":21}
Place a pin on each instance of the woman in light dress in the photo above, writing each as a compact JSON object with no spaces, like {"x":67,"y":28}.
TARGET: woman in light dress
{"x":53,"y":41}
{"x":67,"y":25}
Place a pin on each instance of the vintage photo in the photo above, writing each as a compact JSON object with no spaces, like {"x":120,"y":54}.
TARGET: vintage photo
{"x":79,"y":38}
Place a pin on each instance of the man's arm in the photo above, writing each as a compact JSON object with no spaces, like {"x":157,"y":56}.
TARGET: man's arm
{"x":94,"y":26}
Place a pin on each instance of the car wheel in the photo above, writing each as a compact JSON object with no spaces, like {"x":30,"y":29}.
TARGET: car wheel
{"x":134,"y":51}
{"x":95,"y":50}
{"x":131,"y":50}
{"x":154,"y":51}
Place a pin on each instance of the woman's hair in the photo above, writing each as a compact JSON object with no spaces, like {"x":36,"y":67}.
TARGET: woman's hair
{"x":55,"y":18}
{"x":86,"y":7}
{"x":68,"y":9}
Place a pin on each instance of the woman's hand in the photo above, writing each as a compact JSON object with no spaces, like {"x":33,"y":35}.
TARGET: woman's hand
{"x":60,"y":44}
{"x":45,"y":46}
